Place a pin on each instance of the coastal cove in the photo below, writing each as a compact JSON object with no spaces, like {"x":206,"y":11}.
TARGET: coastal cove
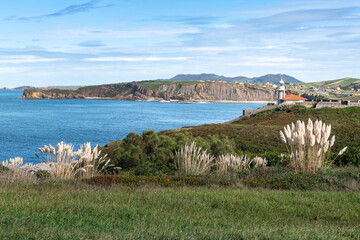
{"x":27,"y":125}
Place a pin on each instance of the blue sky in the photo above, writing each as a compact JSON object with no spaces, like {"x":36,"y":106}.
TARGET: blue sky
{"x":82,"y":42}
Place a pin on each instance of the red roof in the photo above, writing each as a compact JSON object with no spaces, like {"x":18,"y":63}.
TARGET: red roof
{"x":292,"y":97}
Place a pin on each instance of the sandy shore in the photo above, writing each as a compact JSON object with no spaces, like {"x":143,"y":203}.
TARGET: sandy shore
{"x":180,"y":101}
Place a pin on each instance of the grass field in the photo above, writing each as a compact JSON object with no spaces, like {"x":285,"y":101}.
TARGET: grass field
{"x":76,"y":210}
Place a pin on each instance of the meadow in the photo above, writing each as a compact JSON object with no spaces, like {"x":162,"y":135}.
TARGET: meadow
{"x":77,"y":210}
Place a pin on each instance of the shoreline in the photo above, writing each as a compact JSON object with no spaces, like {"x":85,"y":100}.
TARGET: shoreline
{"x":158,"y":100}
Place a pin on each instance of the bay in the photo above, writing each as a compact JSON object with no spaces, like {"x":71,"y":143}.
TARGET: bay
{"x":26,"y":125}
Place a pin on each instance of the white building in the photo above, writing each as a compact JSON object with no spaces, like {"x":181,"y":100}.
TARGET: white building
{"x":287,"y":98}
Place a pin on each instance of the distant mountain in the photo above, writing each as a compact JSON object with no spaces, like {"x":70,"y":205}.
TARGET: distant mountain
{"x":275,"y":78}
{"x":24,"y":88}
{"x":271,"y":78}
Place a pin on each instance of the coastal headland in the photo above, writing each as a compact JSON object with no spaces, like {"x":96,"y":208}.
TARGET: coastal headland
{"x":163,"y":91}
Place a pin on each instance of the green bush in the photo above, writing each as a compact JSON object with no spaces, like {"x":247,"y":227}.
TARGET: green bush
{"x":42,"y":174}
{"x":350,"y":157}
{"x":146,"y":168}
{"x":150,"y":152}
{"x":147,"y":152}
{"x":274,"y":158}
{"x":3,"y":168}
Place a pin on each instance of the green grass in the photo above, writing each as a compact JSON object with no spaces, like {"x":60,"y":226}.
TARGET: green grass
{"x":75,"y":210}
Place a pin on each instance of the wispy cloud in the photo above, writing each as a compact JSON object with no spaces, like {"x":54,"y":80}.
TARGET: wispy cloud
{"x":200,"y":20}
{"x":73,"y":9}
{"x":135,"y":59}
{"x":26,"y":59}
{"x":306,"y":16}
{"x":92,"y":43}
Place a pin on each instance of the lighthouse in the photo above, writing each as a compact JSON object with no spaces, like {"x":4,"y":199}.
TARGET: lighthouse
{"x":281,"y":91}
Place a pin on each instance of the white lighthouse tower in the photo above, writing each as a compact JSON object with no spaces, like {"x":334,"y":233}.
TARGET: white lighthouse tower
{"x":281,"y":91}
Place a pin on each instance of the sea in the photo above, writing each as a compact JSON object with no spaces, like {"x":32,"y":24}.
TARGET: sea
{"x":26,"y":125}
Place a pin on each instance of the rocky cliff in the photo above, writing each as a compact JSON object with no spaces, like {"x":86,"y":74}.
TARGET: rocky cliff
{"x":207,"y":91}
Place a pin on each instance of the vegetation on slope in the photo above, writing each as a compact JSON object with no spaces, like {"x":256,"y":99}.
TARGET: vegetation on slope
{"x":257,"y":135}
{"x":345,"y":83}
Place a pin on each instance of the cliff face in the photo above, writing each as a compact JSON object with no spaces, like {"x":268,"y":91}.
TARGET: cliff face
{"x":32,"y":94}
{"x":175,"y":91}
{"x":218,"y":91}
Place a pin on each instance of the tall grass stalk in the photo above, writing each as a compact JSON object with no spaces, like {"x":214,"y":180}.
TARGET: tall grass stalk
{"x":308,"y":145}
{"x":230,"y":164}
{"x":16,"y":164}
{"x":193,"y":161}
{"x":64,"y":163}
{"x":90,"y":161}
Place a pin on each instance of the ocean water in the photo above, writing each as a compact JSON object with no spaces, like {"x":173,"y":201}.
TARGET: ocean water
{"x":26,"y":125}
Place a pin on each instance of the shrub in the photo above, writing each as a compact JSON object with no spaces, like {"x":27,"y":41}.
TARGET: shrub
{"x":193,"y":161}
{"x":3,"y":168}
{"x":42,"y":174}
{"x":350,"y":157}
{"x":146,"y":168}
{"x":135,"y":149}
{"x":309,"y":145}
{"x":275,"y":159}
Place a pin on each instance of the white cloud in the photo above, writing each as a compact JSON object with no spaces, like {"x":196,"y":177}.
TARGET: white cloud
{"x":135,"y":59}
{"x":7,"y":70}
{"x":26,"y":59}
{"x":142,"y":32}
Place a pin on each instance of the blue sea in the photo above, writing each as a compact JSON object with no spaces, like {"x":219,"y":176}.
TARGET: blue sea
{"x":26,"y":125}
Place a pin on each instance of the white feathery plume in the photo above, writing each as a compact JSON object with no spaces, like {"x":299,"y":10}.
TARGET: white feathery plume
{"x":342,"y":151}
{"x":332,"y":141}
{"x":282,"y":137}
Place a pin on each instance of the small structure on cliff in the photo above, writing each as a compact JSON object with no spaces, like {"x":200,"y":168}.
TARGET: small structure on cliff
{"x":287,"y":98}
{"x":281,"y":91}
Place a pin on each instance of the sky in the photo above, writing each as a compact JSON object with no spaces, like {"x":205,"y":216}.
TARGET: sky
{"x":82,"y":42}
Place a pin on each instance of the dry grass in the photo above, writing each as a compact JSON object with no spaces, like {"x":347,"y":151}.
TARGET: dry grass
{"x":16,"y":164}
{"x":308,"y":145}
{"x":64,"y":163}
{"x":21,"y":177}
{"x":229,"y":164}
{"x":91,"y":162}
{"x":193,"y":161}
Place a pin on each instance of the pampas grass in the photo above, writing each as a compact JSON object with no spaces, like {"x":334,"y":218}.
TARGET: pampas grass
{"x":258,"y":162}
{"x":308,"y":145}
{"x":228,"y":164}
{"x":64,"y":163}
{"x":16,"y":164}
{"x":90,"y":161}
{"x":193,"y":161}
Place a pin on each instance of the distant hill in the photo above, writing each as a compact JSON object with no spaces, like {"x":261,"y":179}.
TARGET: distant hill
{"x":271,"y":78}
{"x":343,"y":83}
{"x":24,"y":88}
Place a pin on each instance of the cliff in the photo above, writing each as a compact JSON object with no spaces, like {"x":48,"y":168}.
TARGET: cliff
{"x":149,"y":91}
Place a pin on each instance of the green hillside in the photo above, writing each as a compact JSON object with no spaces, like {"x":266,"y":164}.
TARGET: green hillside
{"x":259,"y":134}
{"x":344,"y":83}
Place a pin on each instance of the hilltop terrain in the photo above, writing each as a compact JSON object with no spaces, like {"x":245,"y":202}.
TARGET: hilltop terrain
{"x":344,"y":88}
{"x":270,"y":78}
